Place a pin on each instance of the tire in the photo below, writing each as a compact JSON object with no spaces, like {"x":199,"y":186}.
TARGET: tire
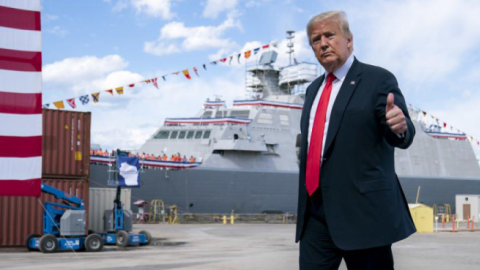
{"x":48,"y":243}
{"x":94,"y":243}
{"x":148,"y":236}
{"x":122,"y":238}
{"x":33,"y":235}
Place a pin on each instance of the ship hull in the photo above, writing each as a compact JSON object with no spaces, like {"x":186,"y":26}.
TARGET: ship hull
{"x":202,"y":190}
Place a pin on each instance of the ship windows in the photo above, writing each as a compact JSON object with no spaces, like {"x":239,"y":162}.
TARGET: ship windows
{"x":174,"y":135}
{"x":207,"y":114}
{"x":284,"y":120}
{"x":221,"y":113}
{"x":198,"y":135}
{"x":162,"y":135}
{"x":240,"y":114}
{"x":206,"y":134}
{"x":182,"y":135}
{"x":190,"y":134}
{"x":265,"y":118}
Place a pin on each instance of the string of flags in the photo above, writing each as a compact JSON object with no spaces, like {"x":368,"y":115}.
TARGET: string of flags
{"x":95,"y":97}
{"x":443,"y":124}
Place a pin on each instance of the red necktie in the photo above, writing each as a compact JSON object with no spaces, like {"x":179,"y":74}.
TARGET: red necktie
{"x":314,"y":155}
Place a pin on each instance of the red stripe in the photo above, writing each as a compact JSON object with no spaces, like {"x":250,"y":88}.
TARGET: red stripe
{"x":31,"y":187}
{"x":19,"y":103}
{"x":20,"y":146}
{"x":20,"y":60}
{"x":20,"y":18}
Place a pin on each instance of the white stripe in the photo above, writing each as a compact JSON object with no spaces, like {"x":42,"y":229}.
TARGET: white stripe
{"x":33,"y":5}
{"x":20,"y":125}
{"x":20,"y":40}
{"x":20,"y":82}
{"x":20,"y":168}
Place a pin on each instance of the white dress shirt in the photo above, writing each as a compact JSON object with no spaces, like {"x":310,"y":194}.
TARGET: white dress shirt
{"x":340,"y":75}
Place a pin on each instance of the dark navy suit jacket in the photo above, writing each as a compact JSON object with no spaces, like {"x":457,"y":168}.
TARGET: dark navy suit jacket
{"x":363,"y":201}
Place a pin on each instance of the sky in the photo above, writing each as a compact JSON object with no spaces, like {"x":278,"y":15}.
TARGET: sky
{"x":431,"y":46}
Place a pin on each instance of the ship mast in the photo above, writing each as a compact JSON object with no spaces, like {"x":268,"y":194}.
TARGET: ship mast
{"x":290,"y":45}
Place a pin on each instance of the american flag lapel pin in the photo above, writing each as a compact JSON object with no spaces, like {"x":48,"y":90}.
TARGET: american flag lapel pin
{"x":352,"y":82}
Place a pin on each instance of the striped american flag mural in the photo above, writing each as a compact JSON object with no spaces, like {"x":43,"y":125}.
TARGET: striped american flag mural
{"x":20,"y":98}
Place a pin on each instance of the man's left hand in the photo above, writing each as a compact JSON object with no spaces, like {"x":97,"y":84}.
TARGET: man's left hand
{"x":395,"y":117}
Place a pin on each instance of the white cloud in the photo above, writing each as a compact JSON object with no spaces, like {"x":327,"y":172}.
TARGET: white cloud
{"x":75,"y":76}
{"x":175,"y":37}
{"x":154,"y":8}
{"x":215,"y":7}
{"x":58,"y":31}
{"x":151,"y":8}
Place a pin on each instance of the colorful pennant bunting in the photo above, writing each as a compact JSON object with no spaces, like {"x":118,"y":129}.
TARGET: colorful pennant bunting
{"x":187,"y":75}
{"x":96,"y":97}
{"x":196,"y":71}
{"x":110,"y":91}
{"x":154,"y":81}
{"x":84,"y":99}
{"x":59,"y":105}
{"x":247,"y":54}
{"x":119,"y":90}
{"x":71,"y":102}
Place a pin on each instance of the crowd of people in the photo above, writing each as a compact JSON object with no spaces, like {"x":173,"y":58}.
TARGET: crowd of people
{"x":161,"y":157}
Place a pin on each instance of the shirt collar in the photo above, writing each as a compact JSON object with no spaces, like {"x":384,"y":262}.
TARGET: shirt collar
{"x":341,"y":73}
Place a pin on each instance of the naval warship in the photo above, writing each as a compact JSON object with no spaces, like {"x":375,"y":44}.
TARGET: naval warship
{"x":247,"y":154}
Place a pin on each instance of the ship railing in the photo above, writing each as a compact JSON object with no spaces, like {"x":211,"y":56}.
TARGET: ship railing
{"x":219,"y":218}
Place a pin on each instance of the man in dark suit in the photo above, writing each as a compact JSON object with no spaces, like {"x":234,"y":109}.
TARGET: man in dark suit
{"x":350,"y":202}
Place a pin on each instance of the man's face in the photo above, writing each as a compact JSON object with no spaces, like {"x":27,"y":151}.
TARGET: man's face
{"x":329,"y":44}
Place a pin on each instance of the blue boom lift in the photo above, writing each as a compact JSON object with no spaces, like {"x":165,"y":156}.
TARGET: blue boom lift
{"x":118,"y":226}
{"x":64,"y":228}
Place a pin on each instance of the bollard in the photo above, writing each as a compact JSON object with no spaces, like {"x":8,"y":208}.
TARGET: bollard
{"x":224,"y":218}
{"x":468,"y":224}
{"x":458,"y":222}
{"x":232,"y":218}
{"x":443,"y":221}
{"x":453,"y":225}
{"x":472,"y":225}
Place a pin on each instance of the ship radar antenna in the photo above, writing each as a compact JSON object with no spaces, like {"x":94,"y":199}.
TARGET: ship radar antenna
{"x":290,"y":45}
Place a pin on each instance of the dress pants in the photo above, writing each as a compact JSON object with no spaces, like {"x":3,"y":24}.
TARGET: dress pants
{"x":318,"y":251}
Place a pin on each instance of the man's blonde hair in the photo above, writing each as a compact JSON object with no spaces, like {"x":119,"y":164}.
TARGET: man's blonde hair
{"x":340,"y":16}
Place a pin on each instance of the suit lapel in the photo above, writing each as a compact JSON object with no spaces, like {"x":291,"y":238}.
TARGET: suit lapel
{"x":344,"y":95}
{"x":307,"y":106}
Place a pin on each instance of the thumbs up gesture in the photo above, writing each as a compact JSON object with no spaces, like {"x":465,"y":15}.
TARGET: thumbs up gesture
{"x":394,"y":116}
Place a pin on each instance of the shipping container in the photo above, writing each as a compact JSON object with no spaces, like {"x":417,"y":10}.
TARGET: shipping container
{"x":101,"y":199}
{"x":22,"y":216}
{"x":66,"y":144}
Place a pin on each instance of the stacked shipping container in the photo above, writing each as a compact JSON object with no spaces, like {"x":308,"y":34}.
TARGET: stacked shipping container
{"x":66,"y":163}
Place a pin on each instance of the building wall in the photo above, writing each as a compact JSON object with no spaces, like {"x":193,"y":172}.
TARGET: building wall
{"x":473,"y":200}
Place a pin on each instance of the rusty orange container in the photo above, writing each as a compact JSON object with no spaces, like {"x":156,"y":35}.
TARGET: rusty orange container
{"x":66,"y":144}
{"x":22,"y":216}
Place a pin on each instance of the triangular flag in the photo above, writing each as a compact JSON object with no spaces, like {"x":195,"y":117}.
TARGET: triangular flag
{"x":147,"y":81}
{"x":71,"y":102}
{"x":213,"y":63}
{"x":238,"y":57}
{"x":131,"y":85}
{"x":154,"y":81}
{"x":96,"y":97}
{"x":59,"y":105}
{"x":223,"y":60}
{"x":231,"y":58}
{"x":424,"y":114}
{"x":110,"y":91}
{"x":119,"y":90}
{"x":84,"y":99}
{"x":46,"y":106}
{"x":185,"y":72}
{"x":196,"y":71}
{"x":478,"y":143}
{"x":266,"y":46}
{"x":247,"y":54}
{"x":163,"y":77}
{"x":176,"y":73}
{"x":444,"y":125}
{"x":204,"y":67}
{"x":255,"y":51}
